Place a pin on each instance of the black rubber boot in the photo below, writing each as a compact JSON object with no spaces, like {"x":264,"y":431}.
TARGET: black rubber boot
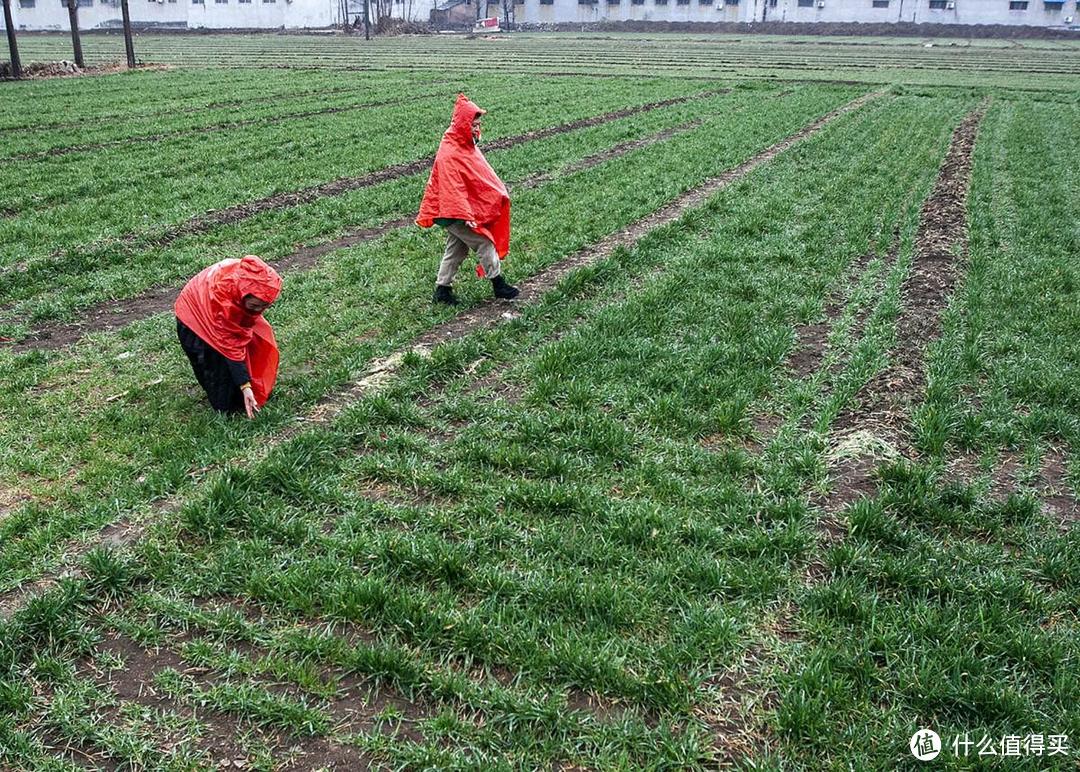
{"x":502,"y":289}
{"x":444,"y":294}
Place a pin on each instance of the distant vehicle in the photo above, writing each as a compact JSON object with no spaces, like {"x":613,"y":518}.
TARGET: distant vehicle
{"x":490,"y":24}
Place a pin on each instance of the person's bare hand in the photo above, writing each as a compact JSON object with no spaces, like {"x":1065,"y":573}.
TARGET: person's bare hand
{"x":251,"y":407}
{"x":470,"y":223}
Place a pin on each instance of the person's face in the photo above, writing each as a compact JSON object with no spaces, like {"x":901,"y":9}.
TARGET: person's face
{"x":476,"y":127}
{"x":253,"y":305}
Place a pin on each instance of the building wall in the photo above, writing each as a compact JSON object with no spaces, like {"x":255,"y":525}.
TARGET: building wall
{"x":225,"y":14}
{"x":212,"y":14}
{"x":1037,"y":13}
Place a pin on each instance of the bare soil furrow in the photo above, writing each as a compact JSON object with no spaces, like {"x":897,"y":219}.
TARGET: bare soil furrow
{"x":876,"y":428}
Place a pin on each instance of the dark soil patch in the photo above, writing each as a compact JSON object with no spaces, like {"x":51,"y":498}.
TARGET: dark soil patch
{"x":1059,"y":500}
{"x":322,"y":753}
{"x":358,"y":706}
{"x":135,"y":683}
{"x":736,"y":737}
{"x":852,"y":479}
{"x":809,"y":351}
{"x":812,"y":340}
{"x":1006,"y":476}
{"x":600,"y":709}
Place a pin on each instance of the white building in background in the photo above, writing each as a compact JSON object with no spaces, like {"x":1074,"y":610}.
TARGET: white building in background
{"x":179,"y":14}
{"x":299,"y":14}
{"x":1040,"y":13}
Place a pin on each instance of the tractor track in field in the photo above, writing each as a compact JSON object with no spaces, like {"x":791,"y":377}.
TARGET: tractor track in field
{"x":116,"y":314}
{"x":120,"y":246}
{"x":878,"y":423}
{"x":125,"y":532}
{"x":63,"y":150}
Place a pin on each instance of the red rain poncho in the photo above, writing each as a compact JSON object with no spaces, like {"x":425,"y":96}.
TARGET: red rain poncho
{"x":211,"y":305}
{"x":463,"y":186}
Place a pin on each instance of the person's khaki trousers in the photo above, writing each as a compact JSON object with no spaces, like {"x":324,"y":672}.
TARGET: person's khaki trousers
{"x":459,"y":240}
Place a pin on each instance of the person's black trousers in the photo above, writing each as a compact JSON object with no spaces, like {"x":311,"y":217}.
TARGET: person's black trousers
{"x":213,"y":371}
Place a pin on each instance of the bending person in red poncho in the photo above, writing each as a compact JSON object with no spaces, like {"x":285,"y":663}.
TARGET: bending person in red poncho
{"x":220,"y":325}
{"x":466,"y":197}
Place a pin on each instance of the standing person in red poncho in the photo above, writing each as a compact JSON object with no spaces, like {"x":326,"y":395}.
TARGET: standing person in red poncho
{"x":221,"y":329}
{"x":466,"y":197}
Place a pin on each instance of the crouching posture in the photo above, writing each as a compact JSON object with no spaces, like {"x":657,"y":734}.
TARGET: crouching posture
{"x":221,"y":329}
{"x":466,"y":197}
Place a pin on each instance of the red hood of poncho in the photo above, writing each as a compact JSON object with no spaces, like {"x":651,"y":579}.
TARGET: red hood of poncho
{"x":463,"y":186}
{"x":210,"y":304}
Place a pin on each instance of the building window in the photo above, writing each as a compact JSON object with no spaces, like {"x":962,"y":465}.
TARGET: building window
{"x":638,"y":2}
{"x":806,"y":3}
{"x":772,"y":3}
{"x":547,"y":2}
{"x":704,"y":2}
{"x":27,"y":3}
{"x":613,"y":2}
{"x":197,"y":2}
{"x":1018,"y":5}
{"x":586,"y":2}
{"x":881,"y":3}
{"x":664,"y":2}
{"x":937,"y":5}
{"x":1053,"y":5}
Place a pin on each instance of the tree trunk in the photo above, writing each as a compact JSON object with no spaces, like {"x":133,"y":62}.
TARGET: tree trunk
{"x":16,"y":66}
{"x":76,"y":43}
{"x":129,"y":45}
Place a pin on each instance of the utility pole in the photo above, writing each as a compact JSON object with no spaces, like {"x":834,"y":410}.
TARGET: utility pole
{"x":367,"y":26}
{"x":73,"y":17}
{"x":9,"y":23}
{"x":129,"y":45}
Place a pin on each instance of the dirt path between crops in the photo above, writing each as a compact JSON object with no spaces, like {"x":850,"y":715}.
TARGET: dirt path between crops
{"x":484,"y":316}
{"x":876,"y":426}
{"x":120,"y":313}
{"x":215,"y":127}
